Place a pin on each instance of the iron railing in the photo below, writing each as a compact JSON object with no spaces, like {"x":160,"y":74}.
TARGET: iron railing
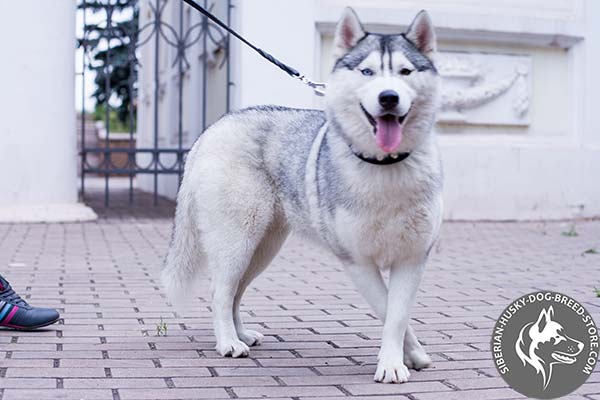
{"x":167,"y":34}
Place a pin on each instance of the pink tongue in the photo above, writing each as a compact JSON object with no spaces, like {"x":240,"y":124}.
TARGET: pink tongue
{"x":389,"y":133}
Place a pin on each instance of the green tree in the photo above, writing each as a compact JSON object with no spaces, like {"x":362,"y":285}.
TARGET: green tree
{"x":113,"y":59}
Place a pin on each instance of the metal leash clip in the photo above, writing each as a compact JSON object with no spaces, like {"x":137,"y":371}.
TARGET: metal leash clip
{"x":317,"y":87}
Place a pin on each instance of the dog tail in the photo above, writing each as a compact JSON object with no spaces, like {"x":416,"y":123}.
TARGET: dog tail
{"x":186,"y":256}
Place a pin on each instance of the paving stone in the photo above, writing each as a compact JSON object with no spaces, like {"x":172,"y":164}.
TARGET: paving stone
{"x":27,"y":383}
{"x":55,"y":372}
{"x":173,"y":394}
{"x":226,"y":381}
{"x":111,"y":383}
{"x":321,"y":338}
{"x":480,"y":394}
{"x":158,"y":372}
{"x":66,"y":394}
{"x":286,"y":391}
{"x":373,"y":388}
{"x":265,"y":371}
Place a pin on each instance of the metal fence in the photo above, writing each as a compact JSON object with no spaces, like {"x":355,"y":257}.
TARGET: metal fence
{"x":114,"y":37}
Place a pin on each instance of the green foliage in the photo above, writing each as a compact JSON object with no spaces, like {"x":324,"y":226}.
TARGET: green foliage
{"x":114,"y":63}
{"x":115,"y":123}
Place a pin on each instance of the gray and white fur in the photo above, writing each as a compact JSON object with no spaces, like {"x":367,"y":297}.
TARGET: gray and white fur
{"x":259,"y":173}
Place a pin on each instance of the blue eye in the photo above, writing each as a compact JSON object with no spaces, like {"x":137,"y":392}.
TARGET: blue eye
{"x":367,"y":72}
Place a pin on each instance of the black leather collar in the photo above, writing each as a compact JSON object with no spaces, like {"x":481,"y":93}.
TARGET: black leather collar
{"x":385,"y":161}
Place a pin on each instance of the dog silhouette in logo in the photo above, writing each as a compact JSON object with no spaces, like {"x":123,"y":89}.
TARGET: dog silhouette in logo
{"x":544,"y":343}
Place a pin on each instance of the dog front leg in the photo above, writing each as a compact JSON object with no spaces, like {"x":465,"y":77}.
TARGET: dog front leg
{"x":369,"y":282}
{"x":403,"y":285}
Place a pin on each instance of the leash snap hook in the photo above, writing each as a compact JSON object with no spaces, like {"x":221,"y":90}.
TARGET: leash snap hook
{"x":318,"y":87}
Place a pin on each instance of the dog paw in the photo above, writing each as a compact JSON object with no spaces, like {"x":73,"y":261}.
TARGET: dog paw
{"x":391,"y":371}
{"x":250,"y":337}
{"x":232,"y":348}
{"x":417,"y":359}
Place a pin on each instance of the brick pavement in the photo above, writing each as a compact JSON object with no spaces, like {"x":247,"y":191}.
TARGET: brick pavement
{"x":321,"y":339}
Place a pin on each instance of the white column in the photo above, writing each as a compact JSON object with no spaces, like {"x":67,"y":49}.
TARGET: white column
{"x":38,"y":156}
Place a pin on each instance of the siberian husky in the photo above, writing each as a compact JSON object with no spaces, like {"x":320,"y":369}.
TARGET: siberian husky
{"x":364,"y":177}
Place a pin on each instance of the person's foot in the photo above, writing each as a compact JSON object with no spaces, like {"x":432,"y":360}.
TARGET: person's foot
{"x":15,"y":313}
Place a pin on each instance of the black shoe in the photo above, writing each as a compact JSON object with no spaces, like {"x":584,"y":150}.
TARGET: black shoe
{"x":17,"y":314}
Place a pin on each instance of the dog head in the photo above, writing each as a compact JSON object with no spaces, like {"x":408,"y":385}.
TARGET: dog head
{"x":544,"y":343}
{"x":383,"y":90}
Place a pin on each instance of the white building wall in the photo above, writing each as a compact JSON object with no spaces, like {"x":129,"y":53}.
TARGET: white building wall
{"x":38,"y":156}
{"x":542,"y":163}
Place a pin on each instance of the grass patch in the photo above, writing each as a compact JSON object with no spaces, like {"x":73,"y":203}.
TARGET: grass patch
{"x":161,"y":328}
{"x":593,"y":250}
{"x":597,"y":292}
{"x":572,"y":232}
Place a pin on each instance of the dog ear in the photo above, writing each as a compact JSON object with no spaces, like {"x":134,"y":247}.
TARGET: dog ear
{"x":421,"y":33}
{"x":544,"y":318}
{"x":347,"y":33}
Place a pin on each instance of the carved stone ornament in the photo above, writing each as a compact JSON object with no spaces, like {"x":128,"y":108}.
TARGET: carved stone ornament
{"x":484,"y":88}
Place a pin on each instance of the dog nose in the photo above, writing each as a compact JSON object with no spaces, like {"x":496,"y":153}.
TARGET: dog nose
{"x":388,"y":99}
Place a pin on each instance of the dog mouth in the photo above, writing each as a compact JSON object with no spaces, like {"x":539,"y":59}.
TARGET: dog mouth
{"x":388,"y":129}
{"x":563,"y":357}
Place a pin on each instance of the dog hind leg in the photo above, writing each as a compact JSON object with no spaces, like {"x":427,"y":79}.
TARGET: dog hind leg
{"x":235,"y":219}
{"x":267,"y":249}
{"x":228,"y":263}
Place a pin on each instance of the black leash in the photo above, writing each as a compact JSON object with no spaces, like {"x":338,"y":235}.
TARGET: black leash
{"x":317,"y":87}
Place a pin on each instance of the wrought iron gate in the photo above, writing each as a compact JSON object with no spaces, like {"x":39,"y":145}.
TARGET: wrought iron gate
{"x":121,"y":40}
